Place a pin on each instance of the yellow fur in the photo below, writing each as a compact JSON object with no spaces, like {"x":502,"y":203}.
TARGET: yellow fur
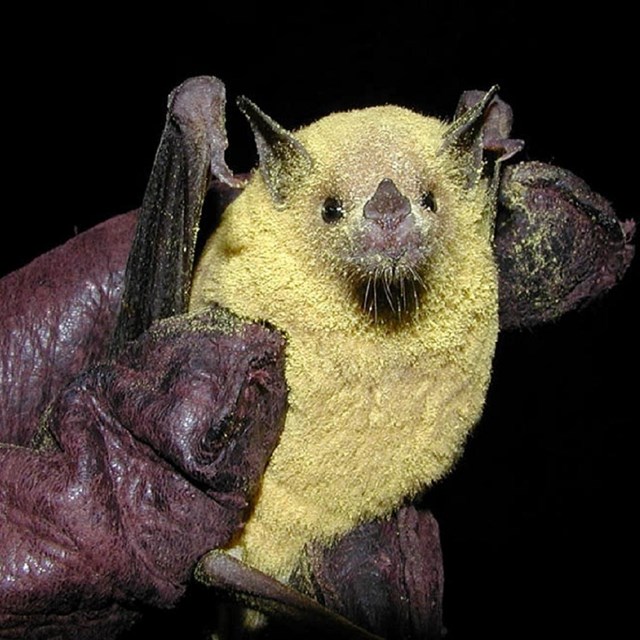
{"x":377,"y":411}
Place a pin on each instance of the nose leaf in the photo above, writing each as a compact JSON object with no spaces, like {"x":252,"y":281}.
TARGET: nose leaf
{"x":388,"y":207}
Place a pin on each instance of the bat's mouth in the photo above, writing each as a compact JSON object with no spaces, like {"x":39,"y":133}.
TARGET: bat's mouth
{"x":390,"y":290}
{"x":388,"y":272}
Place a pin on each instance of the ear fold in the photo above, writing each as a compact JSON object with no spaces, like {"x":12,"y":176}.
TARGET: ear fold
{"x":283,"y":159}
{"x":479,"y":134}
{"x":558,"y":244}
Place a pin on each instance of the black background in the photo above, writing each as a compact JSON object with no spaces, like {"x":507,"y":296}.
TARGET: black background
{"x":536,"y":520}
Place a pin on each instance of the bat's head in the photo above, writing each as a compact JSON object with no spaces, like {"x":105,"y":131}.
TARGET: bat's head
{"x":374,"y":190}
{"x":376,"y":194}
{"x":371,"y":214}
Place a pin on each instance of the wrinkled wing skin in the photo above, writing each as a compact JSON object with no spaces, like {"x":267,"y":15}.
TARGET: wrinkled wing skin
{"x":149,"y":462}
{"x":58,"y":314}
{"x":70,"y":307}
{"x":141,"y":465}
{"x":558,"y":244}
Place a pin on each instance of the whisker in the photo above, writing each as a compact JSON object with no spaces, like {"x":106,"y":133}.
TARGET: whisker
{"x":387,"y":288}
{"x":375,"y":299}
{"x":417,"y":278}
{"x":366,"y":295}
{"x":388,"y":292}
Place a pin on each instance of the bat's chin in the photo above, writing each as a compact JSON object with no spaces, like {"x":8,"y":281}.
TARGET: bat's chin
{"x":389,"y":286}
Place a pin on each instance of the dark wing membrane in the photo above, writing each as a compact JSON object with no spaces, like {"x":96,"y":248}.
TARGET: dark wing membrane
{"x":191,"y":151}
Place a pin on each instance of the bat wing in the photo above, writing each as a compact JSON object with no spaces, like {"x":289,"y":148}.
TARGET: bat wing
{"x":250,"y":587}
{"x":558,"y":244}
{"x":191,"y":152}
{"x":70,"y":307}
{"x":384,"y":577}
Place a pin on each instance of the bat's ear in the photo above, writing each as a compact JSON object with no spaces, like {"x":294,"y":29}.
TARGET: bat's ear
{"x":479,"y":135}
{"x":195,"y":116}
{"x":283,"y":159}
{"x":558,"y":244}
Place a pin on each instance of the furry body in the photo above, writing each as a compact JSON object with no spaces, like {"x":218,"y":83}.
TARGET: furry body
{"x":380,"y":406}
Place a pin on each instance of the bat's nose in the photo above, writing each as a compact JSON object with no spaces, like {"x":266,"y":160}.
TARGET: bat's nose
{"x":388,"y":207}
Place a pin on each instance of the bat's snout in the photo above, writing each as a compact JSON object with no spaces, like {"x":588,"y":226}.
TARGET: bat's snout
{"x":387,"y":207}
{"x":391,"y":235}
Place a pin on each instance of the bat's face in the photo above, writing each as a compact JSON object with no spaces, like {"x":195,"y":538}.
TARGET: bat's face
{"x":379,"y":205}
{"x":376,"y":214}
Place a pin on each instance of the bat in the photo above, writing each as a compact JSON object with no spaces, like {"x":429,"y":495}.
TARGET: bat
{"x":370,"y":238}
{"x":390,"y":248}
{"x":367,"y":238}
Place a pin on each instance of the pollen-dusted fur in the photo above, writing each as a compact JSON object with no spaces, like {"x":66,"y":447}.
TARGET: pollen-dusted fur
{"x":379,"y":407}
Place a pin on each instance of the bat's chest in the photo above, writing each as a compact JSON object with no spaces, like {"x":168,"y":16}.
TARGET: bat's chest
{"x":350,"y":394}
{"x":366,"y":427}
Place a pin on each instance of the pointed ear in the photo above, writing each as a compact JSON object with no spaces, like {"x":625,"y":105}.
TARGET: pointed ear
{"x":283,"y":160}
{"x":465,"y":128}
{"x":479,"y":134}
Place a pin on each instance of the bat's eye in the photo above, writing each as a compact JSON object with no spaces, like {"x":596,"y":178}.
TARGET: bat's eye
{"x":332,"y":209}
{"x":428,"y":201}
